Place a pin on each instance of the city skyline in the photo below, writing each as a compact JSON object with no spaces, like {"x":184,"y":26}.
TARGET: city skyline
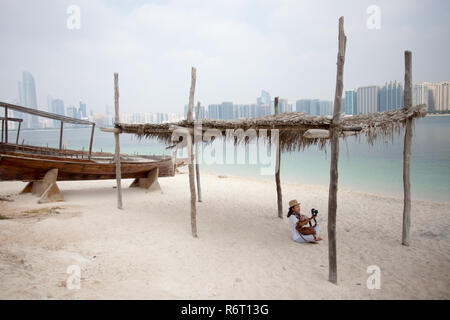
{"x":223,"y":40}
{"x":363,"y":100}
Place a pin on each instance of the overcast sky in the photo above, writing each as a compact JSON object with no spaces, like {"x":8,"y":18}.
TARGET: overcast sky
{"x":239,"y":47}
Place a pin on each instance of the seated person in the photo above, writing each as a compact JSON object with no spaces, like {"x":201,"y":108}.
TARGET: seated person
{"x":300,"y":232}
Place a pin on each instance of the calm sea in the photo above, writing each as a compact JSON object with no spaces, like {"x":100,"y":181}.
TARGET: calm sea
{"x":375,"y":169}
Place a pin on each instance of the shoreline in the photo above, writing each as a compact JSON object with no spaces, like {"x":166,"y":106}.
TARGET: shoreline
{"x":297,"y":184}
{"x":438,"y":115}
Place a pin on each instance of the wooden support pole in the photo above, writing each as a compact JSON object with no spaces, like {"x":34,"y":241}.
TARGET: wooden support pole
{"x":92,"y":140}
{"x":3,"y":129}
{"x":18,"y":133}
{"x":61,"y":135}
{"x":407,"y":151}
{"x":334,"y":128}
{"x":117,"y":139}
{"x":6,"y":125}
{"x":190,"y":117}
{"x":277,"y":170}
{"x":174,"y":157}
{"x":197,"y":165}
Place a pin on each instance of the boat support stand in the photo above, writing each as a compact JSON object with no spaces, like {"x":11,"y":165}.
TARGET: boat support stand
{"x":47,"y":189}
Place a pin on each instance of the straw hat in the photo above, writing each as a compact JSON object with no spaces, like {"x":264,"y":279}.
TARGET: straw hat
{"x":293,"y":203}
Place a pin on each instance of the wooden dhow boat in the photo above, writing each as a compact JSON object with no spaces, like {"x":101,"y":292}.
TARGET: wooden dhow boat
{"x":28,"y":163}
{"x":41,"y":167}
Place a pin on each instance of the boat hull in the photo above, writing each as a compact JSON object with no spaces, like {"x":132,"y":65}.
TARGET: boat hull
{"x":16,"y":166}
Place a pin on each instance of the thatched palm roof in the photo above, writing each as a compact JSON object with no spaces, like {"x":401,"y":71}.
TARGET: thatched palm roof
{"x":292,"y":126}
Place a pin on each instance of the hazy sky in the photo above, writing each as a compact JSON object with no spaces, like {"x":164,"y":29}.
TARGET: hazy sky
{"x":239,"y":47}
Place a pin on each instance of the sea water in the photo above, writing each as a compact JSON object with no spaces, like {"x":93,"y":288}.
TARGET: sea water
{"x":374,"y":169}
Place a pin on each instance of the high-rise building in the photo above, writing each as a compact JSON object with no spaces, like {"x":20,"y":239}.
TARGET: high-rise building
{"x":49,"y":103}
{"x":263,"y":110}
{"x":312,"y":106}
{"x":214,"y":111}
{"x":435,"y":95}
{"x":27,"y":98}
{"x":350,"y":102}
{"x":421,"y":94}
{"x":432,"y":95}
{"x":58,"y":108}
{"x":201,"y":112}
{"x":227,"y":110}
{"x":390,"y":96}
{"x":303,"y":105}
{"x":442,"y":97}
{"x":82,"y":110}
{"x":283,"y":105}
{"x":72,"y":111}
{"x":161,"y":117}
{"x":324,"y":108}
{"x":242,"y":110}
{"x":367,"y":99}
{"x":264,"y":99}
{"x":186,"y":108}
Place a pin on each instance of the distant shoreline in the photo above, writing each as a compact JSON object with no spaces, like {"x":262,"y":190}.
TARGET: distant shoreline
{"x":83,"y":127}
{"x":258,"y":179}
{"x":438,"y":115}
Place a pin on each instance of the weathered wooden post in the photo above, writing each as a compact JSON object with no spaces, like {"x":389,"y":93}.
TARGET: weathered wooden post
{"x":334,"y":128}
{"x":61,"y":135}
{"x":407,"y":151}
{"x":6,"y":125}
{"x":277,"y":169}
{"x":197,"y":165}
{"x":92,"y":140}
{"x":174,"y":156}
{"x":18,"y":133}
{"x":190,"y":117}
{"x":117,"y":138}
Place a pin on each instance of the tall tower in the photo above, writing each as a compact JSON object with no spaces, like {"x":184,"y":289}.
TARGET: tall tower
{"x":367,"y":99}
{"x":27,"y":98}
{"x":350,"y":102}
{"x":264,"y":99}
{"x":82,"y":110}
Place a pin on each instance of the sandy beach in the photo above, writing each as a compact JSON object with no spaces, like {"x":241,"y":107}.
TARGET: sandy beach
{"x":244,"y":251}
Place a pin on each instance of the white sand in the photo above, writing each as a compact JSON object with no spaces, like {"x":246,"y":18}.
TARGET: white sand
{"x":244,"y":251}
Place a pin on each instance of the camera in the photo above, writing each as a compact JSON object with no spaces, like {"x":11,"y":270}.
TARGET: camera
{"x":314,"y":212}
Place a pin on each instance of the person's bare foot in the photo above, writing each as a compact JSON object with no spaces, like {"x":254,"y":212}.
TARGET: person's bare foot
{"x":318,"y":239}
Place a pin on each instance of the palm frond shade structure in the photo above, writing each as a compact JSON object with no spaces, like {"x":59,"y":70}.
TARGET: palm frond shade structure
{"x":294,"y":132}
{"x":292,"y":127}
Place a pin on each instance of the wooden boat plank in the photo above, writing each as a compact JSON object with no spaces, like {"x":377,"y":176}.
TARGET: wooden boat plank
{"x":33,"y":169}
